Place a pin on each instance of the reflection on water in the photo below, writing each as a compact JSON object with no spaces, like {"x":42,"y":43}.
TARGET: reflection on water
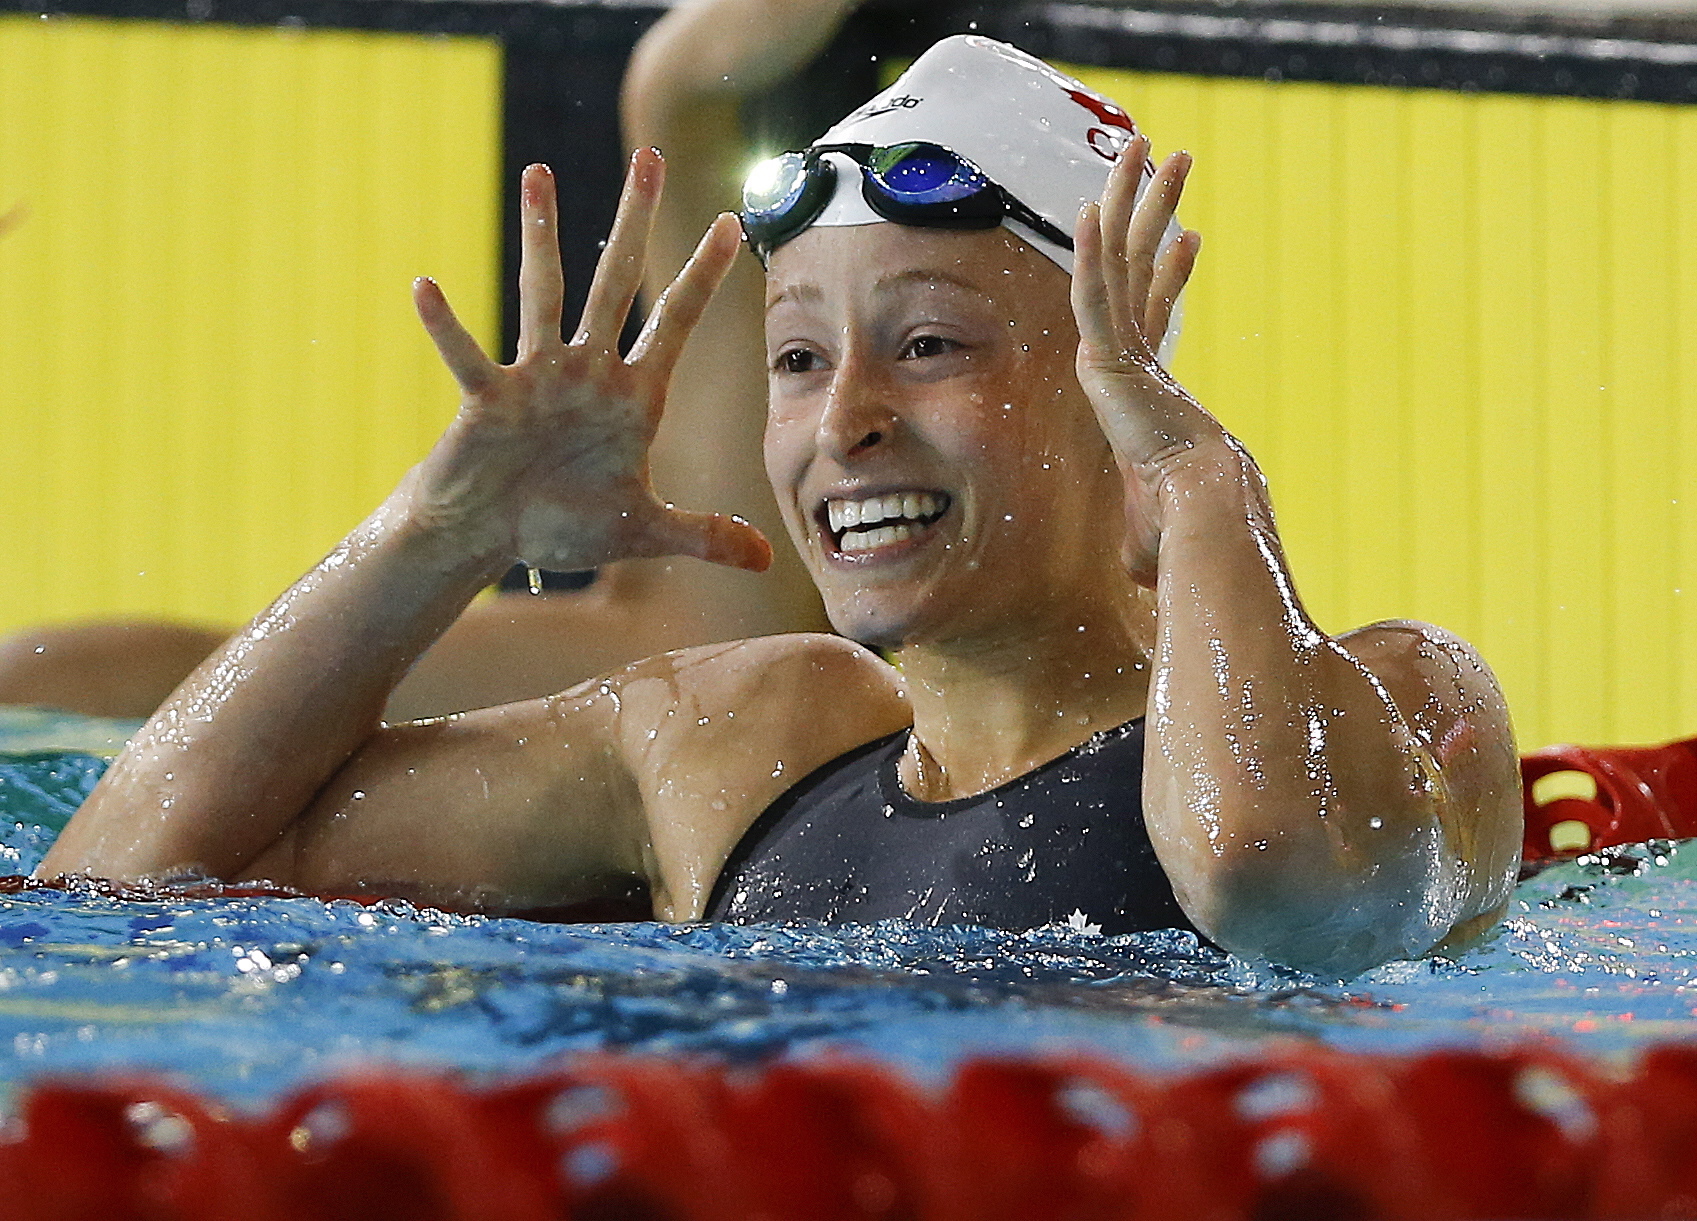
{"x":247,"y":996}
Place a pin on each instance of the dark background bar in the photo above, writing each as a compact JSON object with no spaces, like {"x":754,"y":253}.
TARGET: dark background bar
{"x":564,"y":61}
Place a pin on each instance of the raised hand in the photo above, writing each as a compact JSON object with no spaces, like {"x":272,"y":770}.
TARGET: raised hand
{"x":1123,"y":290}
{"x":547,"y":459}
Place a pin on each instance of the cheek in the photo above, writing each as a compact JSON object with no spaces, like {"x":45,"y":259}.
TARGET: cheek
{"x":787,"y":446}
{"x":1019,"y":425}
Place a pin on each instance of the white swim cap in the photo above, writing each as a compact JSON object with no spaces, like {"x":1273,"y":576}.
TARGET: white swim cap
{"x":1037,"y":133}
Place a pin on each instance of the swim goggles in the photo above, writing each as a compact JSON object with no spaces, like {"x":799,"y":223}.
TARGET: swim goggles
{"x":911,"y":184}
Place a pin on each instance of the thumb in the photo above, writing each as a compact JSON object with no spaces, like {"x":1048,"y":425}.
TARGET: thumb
{"x":715,"y":537}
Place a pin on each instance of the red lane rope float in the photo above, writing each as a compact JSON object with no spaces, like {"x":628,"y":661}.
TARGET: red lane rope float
{"x":1580,"y":799}
{"x":1304,"y":1133}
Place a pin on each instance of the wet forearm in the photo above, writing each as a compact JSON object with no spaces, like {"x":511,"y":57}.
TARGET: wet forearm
{"x":1294,"y":800}
{"x":238,"y":752}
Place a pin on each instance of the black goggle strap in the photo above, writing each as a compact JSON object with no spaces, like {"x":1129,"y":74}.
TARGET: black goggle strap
{"x":1036,"y":223}
{"x":767,"y":233}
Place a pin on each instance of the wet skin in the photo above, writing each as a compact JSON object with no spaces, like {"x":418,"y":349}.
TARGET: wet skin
{"x":1075,"y":541}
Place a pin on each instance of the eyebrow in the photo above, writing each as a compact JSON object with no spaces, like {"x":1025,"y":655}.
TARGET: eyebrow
{"x":795,"y":292}
{"x":889,"y":283}
{"x":925,"y":275}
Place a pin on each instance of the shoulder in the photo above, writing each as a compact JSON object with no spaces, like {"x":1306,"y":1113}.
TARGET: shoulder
{"x":1432,"y":675}
{"x":809,"y":666}
{"x":772,"y":669}
{"x":808,"y":695}
{"x":1453,"y":705}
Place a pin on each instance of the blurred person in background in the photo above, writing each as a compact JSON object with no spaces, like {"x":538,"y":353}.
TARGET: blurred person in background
{"x":687,"y":89}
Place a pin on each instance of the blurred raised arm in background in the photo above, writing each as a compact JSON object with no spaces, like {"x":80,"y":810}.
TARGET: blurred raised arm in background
{"x":688,"y":92}
{"x":688,"y":87}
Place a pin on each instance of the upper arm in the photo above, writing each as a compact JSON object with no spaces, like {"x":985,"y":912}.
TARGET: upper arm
{"x":652,"y":772}
{"x":525,"y":805}
{"x":1453,"y":706}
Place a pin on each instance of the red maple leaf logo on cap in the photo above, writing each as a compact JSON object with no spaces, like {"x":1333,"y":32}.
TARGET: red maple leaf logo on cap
{"x":1104,"y":110}
{"x":1103,"y":142}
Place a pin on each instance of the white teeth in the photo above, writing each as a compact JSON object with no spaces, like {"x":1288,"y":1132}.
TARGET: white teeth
{"x":871,"y":540}
{"x":873,"y":509}
{"x":856,"y":521}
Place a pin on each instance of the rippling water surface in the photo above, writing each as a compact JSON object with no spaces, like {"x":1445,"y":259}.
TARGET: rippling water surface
{"x":246,"y":997}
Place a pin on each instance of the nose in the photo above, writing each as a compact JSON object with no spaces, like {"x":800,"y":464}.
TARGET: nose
{"x":857,"y":416}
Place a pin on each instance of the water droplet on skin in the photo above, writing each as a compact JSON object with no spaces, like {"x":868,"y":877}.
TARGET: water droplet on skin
{"x":359,"y":795}
{"x":701,"y":720}
{"x":778,"y":769}
{"x":1375,"y":822}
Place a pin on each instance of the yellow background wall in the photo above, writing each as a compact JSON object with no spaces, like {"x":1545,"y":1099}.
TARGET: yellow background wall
{"x":1452,"y":327}
{"x":1460,"y":334}
{"x":209,"y":365}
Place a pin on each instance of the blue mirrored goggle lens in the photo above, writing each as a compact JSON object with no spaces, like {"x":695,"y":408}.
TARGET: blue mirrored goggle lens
{"x":924,"y":174}
{"x":773,"y":187}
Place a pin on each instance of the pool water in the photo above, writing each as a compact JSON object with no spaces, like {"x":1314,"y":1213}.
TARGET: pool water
{"x":245,"y":998}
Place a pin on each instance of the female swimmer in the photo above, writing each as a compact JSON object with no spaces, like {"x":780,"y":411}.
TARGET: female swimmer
{"x":990,"y":475}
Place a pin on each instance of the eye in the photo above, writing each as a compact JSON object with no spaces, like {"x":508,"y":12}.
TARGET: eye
{"x":921,"y":347}
{"x":798,"y":360}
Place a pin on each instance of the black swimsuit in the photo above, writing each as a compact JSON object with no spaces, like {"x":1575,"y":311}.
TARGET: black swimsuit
{"x":848,"y":844}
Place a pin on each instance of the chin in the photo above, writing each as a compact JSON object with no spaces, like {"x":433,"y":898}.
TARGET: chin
{"x":873,"y":627}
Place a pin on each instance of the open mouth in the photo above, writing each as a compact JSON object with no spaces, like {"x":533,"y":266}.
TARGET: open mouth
{"x":870,"y":523}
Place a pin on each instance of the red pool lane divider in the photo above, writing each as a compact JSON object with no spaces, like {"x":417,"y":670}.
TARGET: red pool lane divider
{"x":1304,"y":1133}
{"x":1641,"y":793}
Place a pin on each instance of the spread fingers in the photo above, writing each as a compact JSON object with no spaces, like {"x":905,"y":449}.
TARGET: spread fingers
{"x":1096,"y":330}
{"x":680,"y":307}
{"x":618,"y":273}
{"x":1149,"y":225}
{"x":714,"y":537}
{"x":1172,"y":273}
{"x":1119,"y":199}
{"x":542,"y":285}
{"x":460,"y":352}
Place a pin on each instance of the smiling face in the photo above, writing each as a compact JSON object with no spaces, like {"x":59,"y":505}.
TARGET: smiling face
{"x":934,"y":457}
